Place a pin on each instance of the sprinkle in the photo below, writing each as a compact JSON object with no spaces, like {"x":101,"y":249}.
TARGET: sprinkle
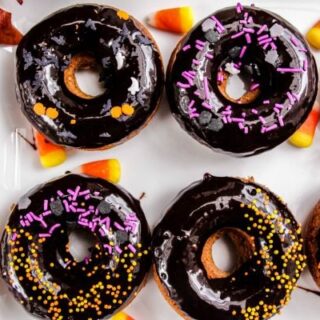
{"x":239,"y":7}
{"x":246,"y":130}
{"x":70,"y":191}
{"x":46,"y":213}
{"x":237,"y":35}
{"x":265,"y":46}
{"x":188,"y":77}
{"x":248,"y":38}
{"x":22,"y":223}
{"x":281,"y":121}
{"x":108,"y":247}
{"x":295,"y":96}
{"x":183,"y":85}
{"x":254,"y":86}
{"x":200,"y":48}
{"x":83,"y":193}
{"x":54,"y":228}
{"x":292,"y":70}
{"x":118,"y":226}
{"x":132,"y":248}
{"x":195,"y":61}
{"x":207,"y":105}
{"x":273,"y":46}
{"x":254,"y":111}
{"x":262,"y":29}
{"x":209,"y":56}
{"x":186,"y":48}
{"x":200,"y":42}
{"x":206,"y":87}
{"x":291,"y":98}
{"x":218,"y":24}
{"x":76,"y":192}
{"x":243,"y":51}
{"x":117,"y":248}
{"x":305,"y":65}
{"x":249,"y":30}
{"x":274,"y":126}
{"x":302,"y":49}
{"x":237,"y":120}
{"x":44,"y":235}
{"x":264,"y":41}
{"x":72,"y":208}
{"x":294,"y":41}
{"x":59,"y":193}
{"x":266,"y":101}
{"x":278,"y":105}
{"x":14,"y":236}
{"x":45,"y":205}
{"x":262,"y":120}
{"x":66,"y":205}
{"x":263,"y":37}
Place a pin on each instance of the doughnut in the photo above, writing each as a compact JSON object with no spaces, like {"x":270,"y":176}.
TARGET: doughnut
{"x":268,"y":55}
{"x":37,"y":262}
{"x":313,"y":244}
{"x":95,"y":37}
{"x":266,"y":237}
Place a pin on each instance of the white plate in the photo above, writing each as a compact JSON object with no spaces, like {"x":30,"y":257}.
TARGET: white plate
{"x":162,"y":159}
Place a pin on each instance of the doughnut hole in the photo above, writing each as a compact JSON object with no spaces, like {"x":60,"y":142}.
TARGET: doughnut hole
{"x":235,"y":247}
{"x":80,"y":244}
{"x":82,"y":77}
{"x":237,"y":88}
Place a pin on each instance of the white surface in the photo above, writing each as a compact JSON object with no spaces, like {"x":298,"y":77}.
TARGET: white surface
{"x":162,"y":159}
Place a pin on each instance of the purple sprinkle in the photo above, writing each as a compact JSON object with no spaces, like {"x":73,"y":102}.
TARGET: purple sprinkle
{"x":291,"y":98}
{"x":302,"y":49}
{"x":191,"y":104}
{"x":268,"y":40}
{"x":76,"y":192}
{"x":87,"y":213}
{"x":292,"y":70}
{"x":188,"y":77}
{"x":278,"y":105}
{"x":262,"y":120}
{"x":254,"y":86}
{"x":209,"y":56}
{"x":249,"y":30}
{"x":102,"y":232}
{"x":118,"y":226}
{"x":266,"y":101}
{"x":83,"y":223}
{"x":254,"y":111}
{"x":207,"y":105}
{"x":246,"y":130}
{"x":237,"y":35}
{"x":66,"y":205}
{"x":263,"y":37}
{"x":46,"y":213}
{"x":83,"y":193}
{"x":54,"y":228}
{"x":81,"y":210}
{"x":262,"y":29}
{"x":45,"y":205}
{"x":219,"y":25}
{"x":295,"y":96}
{"x":237,"y":120}
{"x":246,"y":14}
{"x":248,"y":38}
{"x":72,"y":208}
{"x":27,"y":223}
{"x":265,"y":46}
{"x":108,"y":247}
{"x":29,"y":217}
{"x":200,"y":48}
{"x":44,"y":235}
{"x":183,"y":85}
{"x":273,"y":46}
{"x":107,"y":223}
{"x":239,"y":7}
{"x":225,"y":120}
{"x":22,"y":223}
{"x":14,"y":236}
{"x":59,"y":193}
{"x":117,"y":248}
{"x":132,"y":248}
{"x":229,"y":107}
{"x":305,"y":65}
{"x":281,"y":121}
{"x":228,"y":112}
{"x":70,"y":191}
{"x":243,"y":51}
{"x":241,"y":125}
{"x":294,"y":41}
{"x":202,"y":43}
{"x":186,"y":48}
{"x":274,"y":126}
{"x":196,"y":62}
{"x":250,"y":20}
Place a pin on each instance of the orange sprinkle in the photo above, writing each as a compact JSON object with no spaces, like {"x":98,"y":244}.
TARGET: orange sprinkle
{"x":73,"y":121}
{"x":123,"y":15}
{"x":116,"y":112}
{"x":39,"y":109}
{"x":127,"y":109}
{"x":52,"y":113}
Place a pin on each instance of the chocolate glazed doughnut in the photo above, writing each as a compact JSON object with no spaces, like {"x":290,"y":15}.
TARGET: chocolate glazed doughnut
{"x":313,"y":244}
{"x":81,"y":37}
{"x":267,"y":238}
{"x":39,"y":268}
{"x":271,"y":57}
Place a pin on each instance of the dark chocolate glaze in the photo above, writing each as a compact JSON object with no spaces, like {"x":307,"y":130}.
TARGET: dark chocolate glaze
{"x":131,"y":70}
{"x":39,"y":268}
{"x":285,"y":99}
{"x":269,"y":276}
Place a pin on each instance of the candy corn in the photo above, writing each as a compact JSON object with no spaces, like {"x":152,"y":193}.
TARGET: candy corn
{"x":108,"y":169}
{"x":121,"y":316}
{"x":303,"y":137}
{"x":9,"y":34}
{"x":313,"y":36}
{"x":50,"y":154}
{"x":177,"y":20}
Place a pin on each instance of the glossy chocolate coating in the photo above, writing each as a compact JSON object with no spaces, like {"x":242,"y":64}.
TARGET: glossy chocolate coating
{"x":39,"y":268}
{"x":130,"y":69}
{"x":213,"y":204}
{"x":285,"y":99}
